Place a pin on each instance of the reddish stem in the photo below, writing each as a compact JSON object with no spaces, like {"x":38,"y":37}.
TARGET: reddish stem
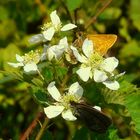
{"x":30,"y":128}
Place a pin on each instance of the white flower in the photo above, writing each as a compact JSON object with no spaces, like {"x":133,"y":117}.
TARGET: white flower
{"x":56,"y":51}
{"x":95,"y":66}
{"x":36,"y":39}
{"x":28,"y":61}
{"x":43,"y":55}
{"x":55,"y":25}
{"x":62,"y":104}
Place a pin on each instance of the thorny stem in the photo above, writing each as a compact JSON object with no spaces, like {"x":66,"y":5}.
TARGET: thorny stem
{"x":93,"y":19}
{"x":40,"y":133}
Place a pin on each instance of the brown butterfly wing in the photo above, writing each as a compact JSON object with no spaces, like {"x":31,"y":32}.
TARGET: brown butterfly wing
{"x":93,"y":119}
{"x":102,"y":42}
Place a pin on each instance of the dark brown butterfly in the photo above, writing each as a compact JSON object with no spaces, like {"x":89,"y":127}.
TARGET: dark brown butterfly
{"x":94,"y":119}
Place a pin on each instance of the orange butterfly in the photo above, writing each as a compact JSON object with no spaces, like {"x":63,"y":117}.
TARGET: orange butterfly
{"x":102,"y":42}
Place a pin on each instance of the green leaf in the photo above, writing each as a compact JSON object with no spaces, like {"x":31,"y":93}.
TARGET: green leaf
{"x":81,"y":134}
{"x":73,"y":4}
{"x":111,"y":13}
{"x":132,"y":103}
{"x":61,"y":71}
{"x":9,"y":55}
{"x":130,"y":49}
{"x":3,"y":13}
{"x":37,"y":82}
{"x":39,"y":95}
{"x":5,"y":31}
{"x":131,"y":77}
{"x":123,"y":30}
{"x":7,"y":76}
{"x":118,"y":97}
{"x":126,"y":87}
{"x":48,"y":73}
{"x":113,"y":134}
{"x":134,"y":13}
{"x":114,"y":97}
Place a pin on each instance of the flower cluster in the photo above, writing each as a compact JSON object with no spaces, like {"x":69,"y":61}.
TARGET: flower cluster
{"x":62,"y":104}
{"x":49,"y":29}
{"x":91,"y":66}
{"x":29,"y":61}
{"x":95,"y":66}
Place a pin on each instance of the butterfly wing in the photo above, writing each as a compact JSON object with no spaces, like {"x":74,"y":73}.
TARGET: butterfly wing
{"x":93,"y":119}
{"x":102,"y":42}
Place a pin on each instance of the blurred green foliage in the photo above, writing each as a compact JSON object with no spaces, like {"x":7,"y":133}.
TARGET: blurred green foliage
{"x":19,"y":19}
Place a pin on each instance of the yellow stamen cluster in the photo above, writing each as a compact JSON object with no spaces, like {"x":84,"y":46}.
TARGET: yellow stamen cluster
{"x":49,"y":24}
{"x":66,"y":99}
{"x":46,"y":26}
{"x":94,"y":60}
{"x":32,"y":57}
{"x":58,"y":27}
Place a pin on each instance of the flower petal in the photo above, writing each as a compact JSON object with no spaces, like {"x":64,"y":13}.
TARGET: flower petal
{"x":76,"y":89}
{"x":30,"y":67}
{"x":19,"y":58}
{"x":68,"y":27}
{"x":67,"y":115}
{"x":43,"y":55}
{"x":48,"y":34}
{"x":53,"y":111}
{"x":87,"y":47}
{"x":99,"y":76}
{"x":109,"y":64}
{"x":55,"y":18}
{"x":50,"y":52}
{"x":55,"y":51}
{"x":63,"y":45}
{"x":15,"y":65}
{"x":54,"y":91}
{"x":113,"y":85}
{"x":63,"y":42}
{"x":97,"y":107}
{"x":80,"y":58}
{"x":84,"y":73}
{"x":36,"y":39}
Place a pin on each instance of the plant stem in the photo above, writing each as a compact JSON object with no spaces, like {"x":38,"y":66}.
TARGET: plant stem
{"x":29,"y":130}
{"x":67,"y":10}
{"x":40,"y":133}
{"x":93,"y":19}
{"x":40,"y":75}
{"x":65,"y":80}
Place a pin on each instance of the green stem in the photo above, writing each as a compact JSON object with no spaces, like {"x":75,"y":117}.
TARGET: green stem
{"x":65,"y":80}
{"x":40,"y":75}
{"x":40,"y":133}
